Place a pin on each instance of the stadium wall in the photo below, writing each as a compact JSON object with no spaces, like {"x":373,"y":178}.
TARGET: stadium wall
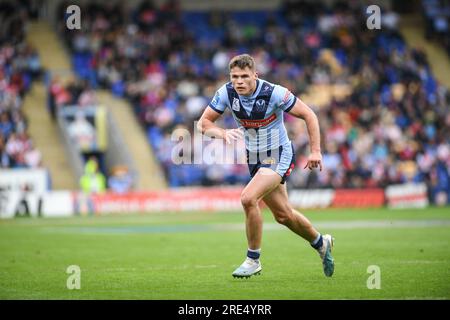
{"x":67,"y":203}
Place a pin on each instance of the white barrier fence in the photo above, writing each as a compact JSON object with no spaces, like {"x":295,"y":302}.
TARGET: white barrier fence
{"x":34,"y":180}
{"x":410,"y":195}
{"x":48,"y":204}
{"x":67,"y":203}
{"x":311,"y":198}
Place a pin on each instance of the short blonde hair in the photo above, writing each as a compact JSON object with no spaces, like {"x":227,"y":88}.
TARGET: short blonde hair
{"x":242,"y":61}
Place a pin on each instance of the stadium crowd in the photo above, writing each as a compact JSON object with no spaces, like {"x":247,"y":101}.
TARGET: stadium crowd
{"x":436,"y":14}
{"x":391,"y":126}
{"x":69,"y":92}
{"x":19,"y":66}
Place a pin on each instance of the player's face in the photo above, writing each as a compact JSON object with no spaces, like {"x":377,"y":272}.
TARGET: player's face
{"x":243,"y":80}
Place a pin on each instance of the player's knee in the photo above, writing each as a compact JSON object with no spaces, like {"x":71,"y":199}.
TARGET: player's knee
{"x":283,"y":216}
{"x":248,"y":201}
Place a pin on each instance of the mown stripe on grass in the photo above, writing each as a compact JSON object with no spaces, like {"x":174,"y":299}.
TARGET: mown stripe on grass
{"x":240,"y":226}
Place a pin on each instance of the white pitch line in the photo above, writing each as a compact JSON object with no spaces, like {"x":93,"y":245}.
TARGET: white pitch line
{"x":270,"y":226}
{"x":359,"y":224}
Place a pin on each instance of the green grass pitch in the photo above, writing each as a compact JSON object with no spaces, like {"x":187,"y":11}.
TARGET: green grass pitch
{"x":192,"y":256}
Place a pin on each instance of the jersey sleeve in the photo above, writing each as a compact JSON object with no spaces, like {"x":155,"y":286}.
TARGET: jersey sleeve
{"x":284,"y":99}
{"x":220,"y":100}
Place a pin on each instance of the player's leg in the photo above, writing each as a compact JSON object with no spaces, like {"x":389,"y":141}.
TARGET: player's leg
{"x":262,"y":183}
{"x":278,"y":203}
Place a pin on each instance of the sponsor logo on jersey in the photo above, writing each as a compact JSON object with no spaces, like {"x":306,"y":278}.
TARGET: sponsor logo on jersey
{"x":249,"y":124}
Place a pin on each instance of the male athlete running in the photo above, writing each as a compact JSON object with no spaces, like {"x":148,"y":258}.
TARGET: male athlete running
{"x":257,"y":106}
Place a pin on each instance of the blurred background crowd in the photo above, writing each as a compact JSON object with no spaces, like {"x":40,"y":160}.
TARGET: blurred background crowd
{"x":19,"y":66}
{"x":384,"y":117}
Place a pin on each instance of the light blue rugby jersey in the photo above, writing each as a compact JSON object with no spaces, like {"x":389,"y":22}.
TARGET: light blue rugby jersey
{"x":260,"y":115}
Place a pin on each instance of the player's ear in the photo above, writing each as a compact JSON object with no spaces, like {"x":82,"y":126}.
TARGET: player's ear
{"x":256,"y":74}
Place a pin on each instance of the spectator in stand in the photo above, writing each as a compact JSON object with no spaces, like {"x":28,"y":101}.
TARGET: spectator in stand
{"x":87,"y":96}
{"x":15,"y":148}
{"x":33,"y":157}
{"x":6,"y":125}
{"x":120,"y":180}
{"x":82,"y":132}
{"x":92,"y":181}
{"x":4,"y":157}
{"x":437,"y":20}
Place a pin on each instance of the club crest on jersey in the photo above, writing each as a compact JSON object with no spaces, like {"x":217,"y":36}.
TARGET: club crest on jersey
{"x":260,"y":104}
{"x":235,"y":106}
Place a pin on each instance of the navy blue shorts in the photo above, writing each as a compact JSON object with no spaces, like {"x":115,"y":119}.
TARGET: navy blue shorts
{"x":281,"y":160}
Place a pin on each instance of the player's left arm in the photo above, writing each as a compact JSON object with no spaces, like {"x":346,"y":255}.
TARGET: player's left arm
{"x":302,"y":111}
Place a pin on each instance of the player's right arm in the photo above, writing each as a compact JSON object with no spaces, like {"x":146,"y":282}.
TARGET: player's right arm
{"x":206,"y":124}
